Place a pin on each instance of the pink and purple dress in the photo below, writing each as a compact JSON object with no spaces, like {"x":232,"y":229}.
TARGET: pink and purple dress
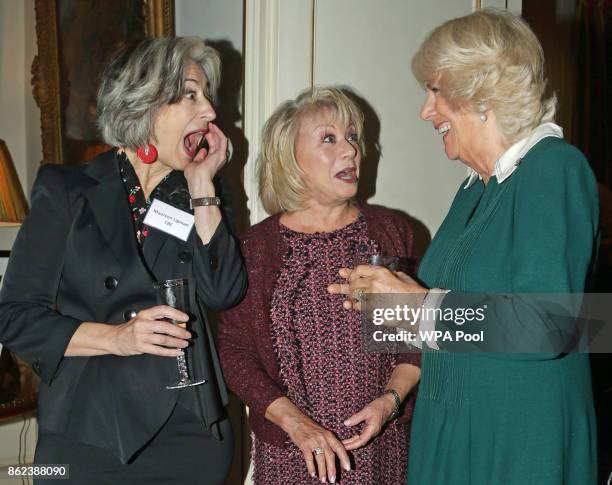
{"x":322,"y":366}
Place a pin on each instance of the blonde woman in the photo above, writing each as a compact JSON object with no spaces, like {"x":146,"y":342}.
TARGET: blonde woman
{"x":320,"y":407}
{"x":524,"y":221}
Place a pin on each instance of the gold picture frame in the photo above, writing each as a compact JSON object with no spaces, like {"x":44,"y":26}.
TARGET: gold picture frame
{"x":18,"y":387}
{"x":56,"y":76}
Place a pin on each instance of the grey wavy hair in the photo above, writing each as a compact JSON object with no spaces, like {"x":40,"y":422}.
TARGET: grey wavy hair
{"x":139,"y":81}
{"x":282,"y":187}
{"x":489,"y":59}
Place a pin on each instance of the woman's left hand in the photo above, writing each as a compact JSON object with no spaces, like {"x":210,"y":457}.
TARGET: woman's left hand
{"x":374,"y":415}
{"x":373,"y":279}
{"x":207,"y":163}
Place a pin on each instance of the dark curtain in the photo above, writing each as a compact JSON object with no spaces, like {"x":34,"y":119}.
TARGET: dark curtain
{"x":592,"y":132}
{"x":593,"y":129}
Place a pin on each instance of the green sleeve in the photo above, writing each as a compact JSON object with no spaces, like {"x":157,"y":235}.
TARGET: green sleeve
{"x":554,"y":230}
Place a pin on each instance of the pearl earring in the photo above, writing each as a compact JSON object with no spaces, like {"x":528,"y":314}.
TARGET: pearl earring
{"x":483,"y":115}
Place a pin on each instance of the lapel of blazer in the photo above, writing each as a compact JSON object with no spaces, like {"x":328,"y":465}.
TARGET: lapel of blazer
{"x":109,"y":204}
{"x":157,"y":240}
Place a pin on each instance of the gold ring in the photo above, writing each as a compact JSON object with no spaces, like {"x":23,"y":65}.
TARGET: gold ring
{"x":318,"y":451}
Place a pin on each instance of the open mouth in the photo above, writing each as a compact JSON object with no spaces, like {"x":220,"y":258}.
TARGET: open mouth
{"x":194,"y":142}
{"x":348,"y":175}
{"x":444,"y":128}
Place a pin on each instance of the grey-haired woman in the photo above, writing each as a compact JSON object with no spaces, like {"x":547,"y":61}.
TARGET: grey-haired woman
{"x":78,"y":301}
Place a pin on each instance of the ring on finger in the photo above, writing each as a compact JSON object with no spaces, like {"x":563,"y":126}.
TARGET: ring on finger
{"x":318,"y":451}
{"x":360,"y":294}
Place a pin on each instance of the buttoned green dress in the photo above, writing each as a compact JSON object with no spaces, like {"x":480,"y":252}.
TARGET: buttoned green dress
{"x":511,"y":419}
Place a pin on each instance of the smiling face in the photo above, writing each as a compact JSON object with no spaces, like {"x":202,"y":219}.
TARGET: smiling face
{"x":329,"y":154}
{"x":179,"y":127}
{"x":460,"y":130}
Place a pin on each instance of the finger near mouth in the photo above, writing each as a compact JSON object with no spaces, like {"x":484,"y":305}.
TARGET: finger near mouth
{"x":200,"y":155}
{"x":194,"y":142}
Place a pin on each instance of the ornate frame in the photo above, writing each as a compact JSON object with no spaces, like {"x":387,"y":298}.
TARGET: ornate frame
{"x":159,"y":21}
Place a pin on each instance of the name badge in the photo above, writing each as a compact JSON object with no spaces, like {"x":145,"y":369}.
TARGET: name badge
{"x":169,"y":219}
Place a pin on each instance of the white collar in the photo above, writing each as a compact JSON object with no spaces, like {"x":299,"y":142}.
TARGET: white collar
{"x":512,"y":157}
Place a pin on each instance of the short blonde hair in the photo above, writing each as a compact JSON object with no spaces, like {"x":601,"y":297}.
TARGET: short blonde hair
{"x":282,"y":187}
{"x":489,"y":59}
{"x":145,"y":77}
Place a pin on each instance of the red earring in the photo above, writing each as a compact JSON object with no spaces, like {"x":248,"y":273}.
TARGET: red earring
{"x":147,"y":154}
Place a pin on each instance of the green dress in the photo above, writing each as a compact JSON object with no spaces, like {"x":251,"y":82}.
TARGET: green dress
{"x":511,"y":419}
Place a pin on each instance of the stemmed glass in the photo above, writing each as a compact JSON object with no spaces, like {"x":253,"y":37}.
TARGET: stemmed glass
{"x":174,"y":293}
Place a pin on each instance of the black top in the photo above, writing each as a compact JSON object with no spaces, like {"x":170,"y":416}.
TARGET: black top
{"x":170,"y":190}
{"x":88,"y":267}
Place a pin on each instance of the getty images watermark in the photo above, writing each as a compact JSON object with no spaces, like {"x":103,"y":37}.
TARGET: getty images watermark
{"x":488,"y":322}
{"x":411,"y":324}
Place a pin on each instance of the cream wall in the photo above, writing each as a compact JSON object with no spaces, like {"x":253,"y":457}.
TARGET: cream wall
{"x":20,"y":129}
{"x":514,"y":6}
{"x":210,"y":19}
{"x":33,"y":142}
{"x":292,"y":43}
{"x":19,"y":115}
{"x":371,"y":53}
{"x":13,"y":82}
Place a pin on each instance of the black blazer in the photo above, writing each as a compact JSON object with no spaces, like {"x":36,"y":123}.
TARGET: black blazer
{"x":76,"y":259}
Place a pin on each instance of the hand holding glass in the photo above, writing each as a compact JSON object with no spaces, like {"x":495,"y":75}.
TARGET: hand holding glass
{"x":174,"y":293}
{"x":394,"y":263}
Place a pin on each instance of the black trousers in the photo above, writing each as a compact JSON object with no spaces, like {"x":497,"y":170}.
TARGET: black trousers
{"x":183,"y":452}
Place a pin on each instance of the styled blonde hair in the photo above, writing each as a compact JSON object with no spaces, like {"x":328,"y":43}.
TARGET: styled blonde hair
{"x":489,"y":59}
{"x":282,"y":187}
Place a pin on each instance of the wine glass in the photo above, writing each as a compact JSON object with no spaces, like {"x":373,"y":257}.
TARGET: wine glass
{"x":174,"y":293}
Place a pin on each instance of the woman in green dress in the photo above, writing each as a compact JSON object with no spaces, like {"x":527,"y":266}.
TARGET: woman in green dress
{"x":524,"y":221}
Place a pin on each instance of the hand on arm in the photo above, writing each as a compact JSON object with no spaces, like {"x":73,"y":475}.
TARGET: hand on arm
{"x":308,"y":436}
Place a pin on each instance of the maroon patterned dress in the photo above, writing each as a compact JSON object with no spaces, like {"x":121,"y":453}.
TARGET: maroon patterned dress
{"x":323,"y":368}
